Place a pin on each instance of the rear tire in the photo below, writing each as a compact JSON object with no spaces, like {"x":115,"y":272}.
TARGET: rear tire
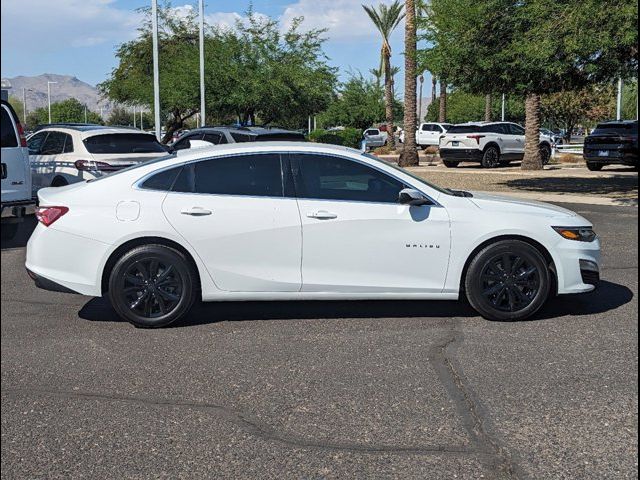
{"x":545,"y":154}
{"x":450,"y":163}
{"x":153,"y":285}
{"x":594,"y":167}
{"x":507,"y":281}
{"x":491,"y":157}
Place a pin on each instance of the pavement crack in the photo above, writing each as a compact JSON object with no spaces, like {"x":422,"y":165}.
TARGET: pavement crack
{"x":254,"y":426}
{"x":469,"y":407}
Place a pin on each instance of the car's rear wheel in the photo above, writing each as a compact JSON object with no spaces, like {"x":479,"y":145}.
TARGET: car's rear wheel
{"x":508,"y":280}
{"x":491,"y":157}
{"x":450,"y":163}
{"x":594,"y":167}
{"x":153,"y":286}
{"x":59,"y":182}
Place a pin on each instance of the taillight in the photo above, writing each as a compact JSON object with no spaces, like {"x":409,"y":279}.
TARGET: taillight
{"x":48,"y":215}
{"x":23,"y":139}
{"x":476,"y":137}
{"x":87,"y":165}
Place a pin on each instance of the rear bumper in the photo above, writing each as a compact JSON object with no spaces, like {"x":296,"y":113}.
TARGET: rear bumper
{"x":461,"y":154}
{"x":16,"y":210}
{"x":46,"y":284}
{"x":616,"y":156}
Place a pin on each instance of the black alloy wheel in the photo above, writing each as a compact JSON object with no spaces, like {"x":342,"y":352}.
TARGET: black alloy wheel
{"x":508,"y":280}
{"x":491,"y":157}
{"x":153,"y":286}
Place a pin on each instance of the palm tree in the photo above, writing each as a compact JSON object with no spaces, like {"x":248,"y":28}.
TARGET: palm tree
{"x":409,"y":154}
{"x":487,"y":107}
{"x":386,"y":18}
{"x":442,"y":115}
{"x":532,"y":159}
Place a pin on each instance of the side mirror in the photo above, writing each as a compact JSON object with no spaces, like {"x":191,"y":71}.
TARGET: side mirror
{"x":410,"y":196}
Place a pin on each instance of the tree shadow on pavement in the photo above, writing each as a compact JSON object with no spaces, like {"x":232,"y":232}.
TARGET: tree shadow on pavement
{"x":609,"y":297}
{"x":621,"y":187}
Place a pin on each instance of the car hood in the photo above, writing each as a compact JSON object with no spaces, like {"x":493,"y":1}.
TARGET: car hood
{"x":502,"y":204}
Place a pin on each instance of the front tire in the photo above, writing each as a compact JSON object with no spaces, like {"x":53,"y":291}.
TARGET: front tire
{"x":594,"y":167}
{"x":545,"y":154}
{"x":508,"y":281}
{"x":491,"y":157}
{"x":450,"y":163}
{"x":153,"y":286}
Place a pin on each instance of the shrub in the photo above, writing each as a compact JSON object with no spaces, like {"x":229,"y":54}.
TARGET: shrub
{"x":349,"y":137}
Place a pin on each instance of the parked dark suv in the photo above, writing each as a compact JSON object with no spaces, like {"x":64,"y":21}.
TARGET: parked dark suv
{"x":612,"y":143}
{"x":226,"y":134}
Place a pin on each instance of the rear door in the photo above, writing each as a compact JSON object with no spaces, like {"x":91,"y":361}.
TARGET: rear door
{"x":16,"y":174}
{"x":50,"y":159}
{"x":241,"y":217}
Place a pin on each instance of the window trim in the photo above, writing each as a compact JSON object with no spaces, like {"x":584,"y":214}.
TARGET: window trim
{"x":285,"y":162}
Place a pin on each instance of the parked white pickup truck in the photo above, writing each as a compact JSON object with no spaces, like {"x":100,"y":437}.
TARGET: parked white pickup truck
{"x":428,"y":135}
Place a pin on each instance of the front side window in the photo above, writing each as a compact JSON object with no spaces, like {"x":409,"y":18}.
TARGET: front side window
{"x":516,"y":129}
{"x":54,"y":144}
{"x":328,"y":177}
{"x":185,"y":142}
{"x":123,"y":143}
{"x":213,"y":138}
{"x":257,"y":175}
{"x":8,"y":134}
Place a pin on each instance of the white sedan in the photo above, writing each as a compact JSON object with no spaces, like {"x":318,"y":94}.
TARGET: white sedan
{"x":300,"y":221}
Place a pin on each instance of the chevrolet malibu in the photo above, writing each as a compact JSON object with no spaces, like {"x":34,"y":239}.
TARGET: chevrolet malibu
{"x":297,"y":221}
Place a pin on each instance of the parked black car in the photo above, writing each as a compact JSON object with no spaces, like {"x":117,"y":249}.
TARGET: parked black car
{"x":612,"y":143}
{"x":219,"y":135}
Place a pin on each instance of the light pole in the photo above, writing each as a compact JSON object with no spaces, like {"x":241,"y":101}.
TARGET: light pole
{"x":203,"y":114}
{"x":24,"y":105}
{"x":49,"y":98}
{"x":156,"y":71}
{"x":619,"y":101}
{"x":503,"y":106}
{"x":421,"y":78}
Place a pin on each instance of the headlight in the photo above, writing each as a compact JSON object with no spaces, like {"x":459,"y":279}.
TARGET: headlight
{"x":579,"y":234}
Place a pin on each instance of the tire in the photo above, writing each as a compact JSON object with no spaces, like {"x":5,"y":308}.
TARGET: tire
{"x":59,"y":182}
{"x":545,"y":154}
{"x":594,"y":167}
{"x":163,"y":277}
{"x":515,"y":294}
{"x":9,"y":231}
{"x":450,"y":163}
{"x":491,"y":157}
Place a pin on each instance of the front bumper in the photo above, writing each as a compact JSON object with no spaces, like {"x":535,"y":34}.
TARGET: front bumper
{"x":577,"y":265}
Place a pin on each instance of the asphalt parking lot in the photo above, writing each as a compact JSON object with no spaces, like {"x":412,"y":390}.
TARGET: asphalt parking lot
{"x":325,"y":390}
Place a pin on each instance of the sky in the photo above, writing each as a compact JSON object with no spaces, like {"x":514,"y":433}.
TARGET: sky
{"x":79,"y":37}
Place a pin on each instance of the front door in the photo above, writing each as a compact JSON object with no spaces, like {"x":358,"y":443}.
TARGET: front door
{"x":238,"y":216}
{"x":357,"y":238}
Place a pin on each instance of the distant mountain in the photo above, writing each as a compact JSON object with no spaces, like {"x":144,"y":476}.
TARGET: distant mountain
{"x":66,"y":87}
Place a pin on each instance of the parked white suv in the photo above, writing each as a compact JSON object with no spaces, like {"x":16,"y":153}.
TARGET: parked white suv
{"x":62,"y":154}
{"x":491,"y":143}
{"x":16,"y":175}
{"x":428,"y":135}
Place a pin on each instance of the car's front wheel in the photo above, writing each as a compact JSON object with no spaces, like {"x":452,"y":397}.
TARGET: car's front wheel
{"x":450,"y":163}
{"x":594,"y":167}
{"x":545,"y":154}
{"x":508,"y":280}
{"x":153,"y":285}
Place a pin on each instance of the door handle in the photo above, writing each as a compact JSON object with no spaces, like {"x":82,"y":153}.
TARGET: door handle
{"x":196,"y":211}
{"x":322,"y":215}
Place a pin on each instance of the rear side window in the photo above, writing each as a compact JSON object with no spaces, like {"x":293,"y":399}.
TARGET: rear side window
{"x":617,"y":129}
{"x":54,"y":144}
{"x":241,"y":137}
{"x":35,"y":142}
{"x":163,"y":180}
{"x":516,"y":129}
{"x":123,"y":143}
{"x":249,"y":175}
{"x":328,"y":177}
{"x":215,"y":138}
{"x":8,"y":133}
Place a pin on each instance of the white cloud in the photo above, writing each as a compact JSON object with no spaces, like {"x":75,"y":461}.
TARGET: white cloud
{"x":344,"y":19}
{"x":45,"y":25}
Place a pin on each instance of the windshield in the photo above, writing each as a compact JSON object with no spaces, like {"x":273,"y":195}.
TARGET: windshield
{"x":463,"y":129}
{"x":415,"y":177}
{"x":617,"y":128}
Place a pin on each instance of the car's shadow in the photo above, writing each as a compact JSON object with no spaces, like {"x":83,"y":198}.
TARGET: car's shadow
{"x":21,"y":237}
{"x":608,"y":297}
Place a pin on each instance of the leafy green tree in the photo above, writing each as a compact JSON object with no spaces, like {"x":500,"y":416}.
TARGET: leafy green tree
{"x":518,"y":46}
{"x":468,"y":107}
{"x":358,"y":103}
{"x":386,"y":18}
{"x":630,"y":99}
{"x":571,"y":108}
{"x":70,"y":111}
{"x":18,"y":106}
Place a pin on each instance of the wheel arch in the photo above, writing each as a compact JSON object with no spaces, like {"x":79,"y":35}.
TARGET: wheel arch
{"x":136,"y":242}
{"x":492,"y":144}
{"x":537,"y":245}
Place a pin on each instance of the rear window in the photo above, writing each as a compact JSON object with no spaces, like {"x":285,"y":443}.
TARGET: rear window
{"x":9,"y":138}
{"x":464,"y":129}
{"x":123,"y":143}
{"x":242,"y":137}
{"x":617,"y":128}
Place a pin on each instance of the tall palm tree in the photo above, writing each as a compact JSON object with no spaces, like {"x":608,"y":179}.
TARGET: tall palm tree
{"x":442,"y":115}
{"x":409,"y":154}
{"x":487,"y":107}
{"x":386,"y":18}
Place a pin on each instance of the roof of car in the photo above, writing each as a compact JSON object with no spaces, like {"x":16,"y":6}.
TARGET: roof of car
{"x":264,"y":146}
{"x":250,"y":130}
{"x":88,"y":129}
{"x":618,"y":122}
